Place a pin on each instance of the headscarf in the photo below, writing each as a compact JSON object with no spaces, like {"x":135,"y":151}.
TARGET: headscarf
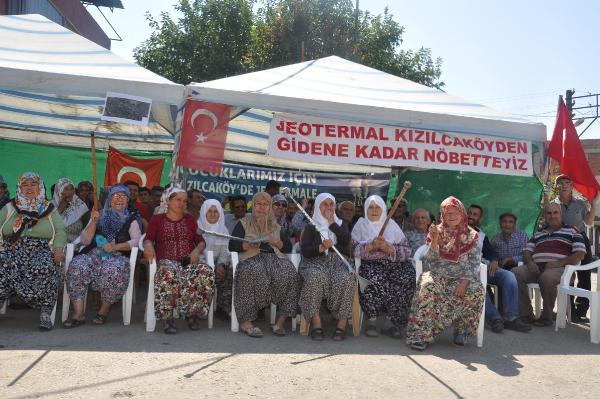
{"x":455,"y":243}
{"x":76,"y":209}
{"x":218,"y":227}
{"x":164,"y":199}
{"x":260,"y":226}
{"x":366,"y":230}
{"x":322,"y":224}
{"x":112,"y":221}
{"x":29,"y":211}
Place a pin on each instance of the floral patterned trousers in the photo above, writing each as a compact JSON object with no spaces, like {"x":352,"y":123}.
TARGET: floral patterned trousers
{"x":435,"y":307}
{"x":189,"y":290}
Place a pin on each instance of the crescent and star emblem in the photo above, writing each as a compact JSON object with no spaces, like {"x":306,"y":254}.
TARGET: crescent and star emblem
{"x":201,"y":138}
{"x":131,"y":169}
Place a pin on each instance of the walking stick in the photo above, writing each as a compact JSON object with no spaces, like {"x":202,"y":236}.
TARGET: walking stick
{"x":94,"y":177}
{"x":362,"y":282}
{"x":407,"y":184}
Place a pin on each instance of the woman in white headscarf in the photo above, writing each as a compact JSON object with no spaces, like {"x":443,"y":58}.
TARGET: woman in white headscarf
{"x":324,"y":274}
{"x":212,"y":218}
{"x":384,"y":262}
{"x":70,"y":206}
{"x":182,"y":282}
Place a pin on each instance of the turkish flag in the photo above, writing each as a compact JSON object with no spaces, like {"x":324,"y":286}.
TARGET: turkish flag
{"x":121,"y":167}
{"x":566,"y":149}
{"x":203,"y":135}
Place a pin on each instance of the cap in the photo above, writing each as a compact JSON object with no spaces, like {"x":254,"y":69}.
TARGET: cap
{"x":562,"y":176}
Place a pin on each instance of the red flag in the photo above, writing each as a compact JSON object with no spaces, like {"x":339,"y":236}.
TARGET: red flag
{"x":566,"y":148}
{"x":121,"y":167}
{"x":203,"y":135}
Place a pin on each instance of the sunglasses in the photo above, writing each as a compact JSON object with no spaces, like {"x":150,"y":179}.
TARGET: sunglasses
{"x":281,"y":204}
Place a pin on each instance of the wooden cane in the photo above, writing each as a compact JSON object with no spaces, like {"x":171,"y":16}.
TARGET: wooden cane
{"x":94,"y":177}
{"x":356,"y":319}
{"x":304,"y":326}
{"x":405,"y":188}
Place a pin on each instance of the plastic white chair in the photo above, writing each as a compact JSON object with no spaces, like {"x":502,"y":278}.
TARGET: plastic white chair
{"x":565,"y":289}
{"x":127,"y":299}
{"x":150,"y":315}
{"x":3,"y":307}
{"x":418,"y":262}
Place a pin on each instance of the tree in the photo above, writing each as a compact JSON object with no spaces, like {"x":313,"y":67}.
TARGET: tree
{"x":208,"y":42}
{"x":220,"y":38}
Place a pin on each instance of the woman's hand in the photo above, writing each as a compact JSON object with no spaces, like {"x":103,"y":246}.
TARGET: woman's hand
{"x":109,"y":247}
{"x":275,"y":242}
{"x":149,"y":252}
{"x":195,"y":256}
{"x":325,"y":245}
{"x":434,"y":231}
{"x":58,"y":255}
{"x":246,"y":246}
{"x":94,"y":216}
{"x":461,"y":289}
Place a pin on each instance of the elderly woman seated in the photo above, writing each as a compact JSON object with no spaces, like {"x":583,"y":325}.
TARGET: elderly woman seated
{"x":449,"y":290}
{"x":182,"y":283}
{"x":32,"y":238}
{"x":264,"y":274}
{"x":104,"y":262}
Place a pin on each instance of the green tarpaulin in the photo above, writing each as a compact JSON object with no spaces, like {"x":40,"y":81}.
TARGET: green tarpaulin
{"x":53,"y":162}
{"x":495,"y":193}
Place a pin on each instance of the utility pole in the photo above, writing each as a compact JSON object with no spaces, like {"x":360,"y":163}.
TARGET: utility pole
{"x":569,"y":102}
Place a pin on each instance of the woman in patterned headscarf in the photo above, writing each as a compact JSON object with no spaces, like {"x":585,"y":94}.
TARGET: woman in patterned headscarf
{"x":449,"y":290}
{"x":104,"y":262}
{"x":32,"y":238}
{"x":182,"y":283}
{"x":385,"y":262}
{"x":70,"y":207}
{"x":264,"y":275}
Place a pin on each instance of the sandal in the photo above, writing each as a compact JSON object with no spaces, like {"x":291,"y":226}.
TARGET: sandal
{"x":371,"y":330}
{"x":278,"y":331}
{"x":99,"y":319}
{"x":419,"y":346}
{"x":73,"y":323}
{"x":339,"y":334}
{"x":193,"y":323}
{"x":170,"y":327}
{"x":317,"y":334}
{"x":253,"y":332}
{"x":45,"y":322}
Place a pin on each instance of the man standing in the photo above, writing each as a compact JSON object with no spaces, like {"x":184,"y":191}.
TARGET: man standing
{"x":418,"y":236}
{"x":402,"y":217}
{"x":545,"y":256}
{"x":272,"y":187}
{"x":346,"y":211}
{"x":195,"y":201}
{"x":503,"y":279}
{"x":575,"y":213}
{"x":238,"y":209}
{"x":510,"y":242}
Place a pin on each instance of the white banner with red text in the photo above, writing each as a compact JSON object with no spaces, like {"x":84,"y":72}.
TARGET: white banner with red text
{"x":310,"y":139}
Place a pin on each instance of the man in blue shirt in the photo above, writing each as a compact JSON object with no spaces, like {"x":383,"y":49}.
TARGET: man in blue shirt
{"x":503,"y":279}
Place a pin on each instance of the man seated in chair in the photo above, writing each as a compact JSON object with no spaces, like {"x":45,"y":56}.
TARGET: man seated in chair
{"x":510,"y":242}
{"x":499,"y":277}
{"x":545,"y":257}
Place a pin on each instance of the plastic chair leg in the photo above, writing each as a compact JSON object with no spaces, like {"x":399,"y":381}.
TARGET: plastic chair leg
{"x":273,"y":313}
{"x":481,"y":326}
{"x":595,"y":318}
{"x":150,"y":316}
{"x":3,"y":307}
{"x":211,"y":310}
{"x":53,"y":315}
{"x":538,"y":302}
{"x":235,"y":326}
{"x":561,"y":311}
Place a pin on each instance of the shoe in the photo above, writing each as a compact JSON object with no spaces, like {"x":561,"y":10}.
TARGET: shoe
{"x":517,"y":325}
{"x":73,"y":323}
{"x":419,"y":346}
{"x":253,"y":332}
{"x":460,"y":339}
{"x":339,"y":334}
{"x":394,"y":332}
{"x":497,"y":326}
{"x":527,"y":319}
{"x":541,"y":322}
{"x":317,"y":334}
{"x":170,"y":328}
{"x":45,"y":322}
{"x":193,"y":323}
{"x":278,"y":331}
{"x":371,"y":330}
{"x":99,"y":319}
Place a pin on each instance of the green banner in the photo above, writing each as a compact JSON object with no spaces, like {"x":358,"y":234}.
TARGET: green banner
{"x":495,"y":193}
{"x":55,"y":162}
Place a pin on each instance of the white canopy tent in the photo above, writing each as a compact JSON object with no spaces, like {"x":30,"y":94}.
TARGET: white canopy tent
{"x":336,"y":88}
